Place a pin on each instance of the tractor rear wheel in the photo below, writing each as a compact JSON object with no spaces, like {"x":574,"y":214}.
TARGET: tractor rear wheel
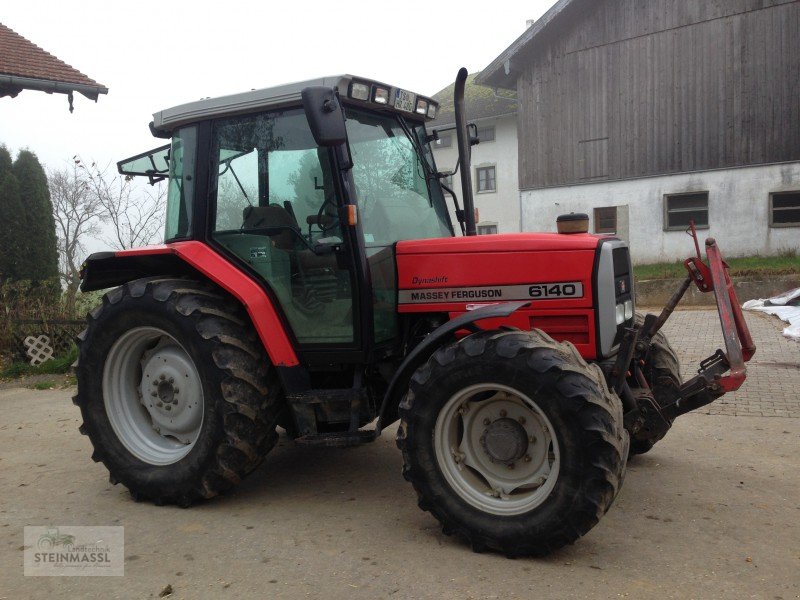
{"x":663,"y":374}
{"x":176,"y":392}
{"x":513,"y":441}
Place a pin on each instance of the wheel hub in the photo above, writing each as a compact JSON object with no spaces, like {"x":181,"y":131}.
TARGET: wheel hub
{"x":170,"y":392}
{"x":505,"y":440}
{"x":496,"y":449}
{"x":153,"y":395}
{"x":166,"y":392}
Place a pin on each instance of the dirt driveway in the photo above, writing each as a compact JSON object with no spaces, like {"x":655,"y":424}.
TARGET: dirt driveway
{"x":712,"y":512}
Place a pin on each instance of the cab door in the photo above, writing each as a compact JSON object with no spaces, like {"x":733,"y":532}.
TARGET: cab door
{"x":275,"y":206}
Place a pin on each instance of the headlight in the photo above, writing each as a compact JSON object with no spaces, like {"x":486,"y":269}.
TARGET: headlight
{"x":359,"y":91}
{"x":422,"y":107}
{"x":620,"y":314}
{"x":381,"y":96}
{"x":628,"y":310}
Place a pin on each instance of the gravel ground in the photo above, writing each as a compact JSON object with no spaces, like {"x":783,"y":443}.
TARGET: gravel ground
{"x":712,"y":512}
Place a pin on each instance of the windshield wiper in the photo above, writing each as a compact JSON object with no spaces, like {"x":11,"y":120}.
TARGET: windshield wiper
{"x":427,"y":174}
{"x":229,"y":167}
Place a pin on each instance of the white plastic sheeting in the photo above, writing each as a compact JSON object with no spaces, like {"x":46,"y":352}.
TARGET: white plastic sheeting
{"x":786,"y":307}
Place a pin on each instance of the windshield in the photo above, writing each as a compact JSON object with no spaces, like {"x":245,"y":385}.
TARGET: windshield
{"x":398,"y":197}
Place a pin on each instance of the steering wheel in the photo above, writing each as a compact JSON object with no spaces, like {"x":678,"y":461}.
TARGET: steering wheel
{"x":323,"y":217}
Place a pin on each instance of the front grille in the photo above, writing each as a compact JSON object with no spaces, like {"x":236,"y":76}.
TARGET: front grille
{"x":623,"y":285}
{"x":623,"y":278}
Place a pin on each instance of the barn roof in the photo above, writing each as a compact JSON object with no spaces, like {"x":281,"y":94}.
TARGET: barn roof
{"x":501,"y":72}
{"x":480,"y":103}
{"x":24,"y":65}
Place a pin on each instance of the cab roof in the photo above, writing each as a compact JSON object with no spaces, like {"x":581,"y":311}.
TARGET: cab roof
{"x":256,"y":100}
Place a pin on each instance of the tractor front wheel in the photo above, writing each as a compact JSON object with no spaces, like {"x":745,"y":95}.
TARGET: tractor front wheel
{"x":176,"y":392}
{"x":513,"y":441}
{"x":663,"y":374}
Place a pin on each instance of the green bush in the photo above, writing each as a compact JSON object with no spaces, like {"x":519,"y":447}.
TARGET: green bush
{"x":55,"y":366}
{"x":26,"y":300}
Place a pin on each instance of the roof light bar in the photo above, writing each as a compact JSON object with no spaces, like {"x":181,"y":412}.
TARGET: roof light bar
{"x":368,"y":91}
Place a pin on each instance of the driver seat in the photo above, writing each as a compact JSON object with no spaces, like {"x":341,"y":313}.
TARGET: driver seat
{"x":272,"y":215}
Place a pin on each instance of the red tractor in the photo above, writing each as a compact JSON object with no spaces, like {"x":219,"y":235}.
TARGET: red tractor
{"x":312,"y":280}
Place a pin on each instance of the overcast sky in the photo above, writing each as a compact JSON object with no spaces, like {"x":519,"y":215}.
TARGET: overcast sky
{"x":153,"y":55}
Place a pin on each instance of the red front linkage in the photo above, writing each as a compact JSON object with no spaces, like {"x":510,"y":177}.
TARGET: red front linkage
{"x":739,"y":344}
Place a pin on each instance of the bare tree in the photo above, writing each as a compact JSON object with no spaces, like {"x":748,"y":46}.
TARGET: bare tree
{"x":78,"y":213}
{"x":135,"y":215}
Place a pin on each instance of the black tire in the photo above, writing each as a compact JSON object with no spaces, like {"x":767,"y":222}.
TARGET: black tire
{"x":241,"y":395}
{"x":663,"y":373}
{"x":585,"y":415}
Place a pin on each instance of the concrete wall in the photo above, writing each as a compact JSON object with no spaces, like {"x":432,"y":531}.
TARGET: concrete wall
{"x":656,"y":292}
{"x":738,"y":205}
{"x":502,"y":206}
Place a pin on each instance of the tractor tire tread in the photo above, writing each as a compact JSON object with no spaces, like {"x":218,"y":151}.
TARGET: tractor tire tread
{"x":586,"y":397}
{"x":666,"y":372}
{"x":249,"y":397}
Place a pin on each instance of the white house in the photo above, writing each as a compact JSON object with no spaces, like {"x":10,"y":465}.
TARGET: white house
{"x":495,"y":181}
{"x":649,"y":115}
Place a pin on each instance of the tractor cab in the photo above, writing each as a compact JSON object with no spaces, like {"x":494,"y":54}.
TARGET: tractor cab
{"x":315,"y":223}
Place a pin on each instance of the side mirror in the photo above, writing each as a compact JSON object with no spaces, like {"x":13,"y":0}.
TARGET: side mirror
{"x":325,"y":115}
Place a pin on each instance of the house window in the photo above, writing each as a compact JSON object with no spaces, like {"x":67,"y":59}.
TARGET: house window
{"x":487,"y":228}
{"x":784,"y":209}
{"x":486,"y":134}
{"x":605,"y":219}
{"x":679,"y":209}
{"x":444,"y":141}
{"x":486,"y":179}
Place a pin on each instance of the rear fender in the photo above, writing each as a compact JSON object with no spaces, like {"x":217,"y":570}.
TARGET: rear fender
{"x":425,"y":349}
{"x":109,"y":269}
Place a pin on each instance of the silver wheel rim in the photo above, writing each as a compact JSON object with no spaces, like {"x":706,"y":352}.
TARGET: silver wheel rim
{"x":485,"y":456}
{"x":153,"y":395}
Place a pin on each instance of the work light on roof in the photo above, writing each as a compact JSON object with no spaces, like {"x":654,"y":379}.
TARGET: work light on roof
{"x":381,"y":95}
{"x":432,"y":111}
{"x":422,"y":106}
{"x":359,"y":91}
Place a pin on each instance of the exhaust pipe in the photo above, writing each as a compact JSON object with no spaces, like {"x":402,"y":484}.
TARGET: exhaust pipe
{"x":462,"y":137}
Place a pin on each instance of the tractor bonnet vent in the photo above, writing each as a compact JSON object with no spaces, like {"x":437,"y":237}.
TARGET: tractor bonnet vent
{"x":573,"y":223}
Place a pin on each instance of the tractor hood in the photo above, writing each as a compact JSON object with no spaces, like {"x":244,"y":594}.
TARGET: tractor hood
{"x":553,"y":273}
{"x":505,"y":242}
{"x":451,"y":272}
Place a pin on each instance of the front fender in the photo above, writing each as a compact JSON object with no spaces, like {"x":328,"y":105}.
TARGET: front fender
{"x":438,"y":337}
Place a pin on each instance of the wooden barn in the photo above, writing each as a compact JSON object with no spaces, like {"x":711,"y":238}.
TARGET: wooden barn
{"x":649,"y":113}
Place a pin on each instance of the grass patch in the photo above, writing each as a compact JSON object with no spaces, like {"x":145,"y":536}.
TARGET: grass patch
{"x":44,"y":385}
{"x":784,"y":264}
{"x":56,"y":366}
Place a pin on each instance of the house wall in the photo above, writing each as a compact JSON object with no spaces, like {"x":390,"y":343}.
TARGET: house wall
{"x":627,"y":88}
{"x":502,"y":206}
{"x":738,"y":203}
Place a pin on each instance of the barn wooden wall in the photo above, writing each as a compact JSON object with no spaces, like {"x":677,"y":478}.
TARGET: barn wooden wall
{"x":625,"y":88}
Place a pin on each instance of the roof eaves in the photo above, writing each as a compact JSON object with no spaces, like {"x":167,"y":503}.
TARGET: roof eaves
{"x":500,"y":72}
{"x":437,"y":125}
{"x":17,"y":84}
